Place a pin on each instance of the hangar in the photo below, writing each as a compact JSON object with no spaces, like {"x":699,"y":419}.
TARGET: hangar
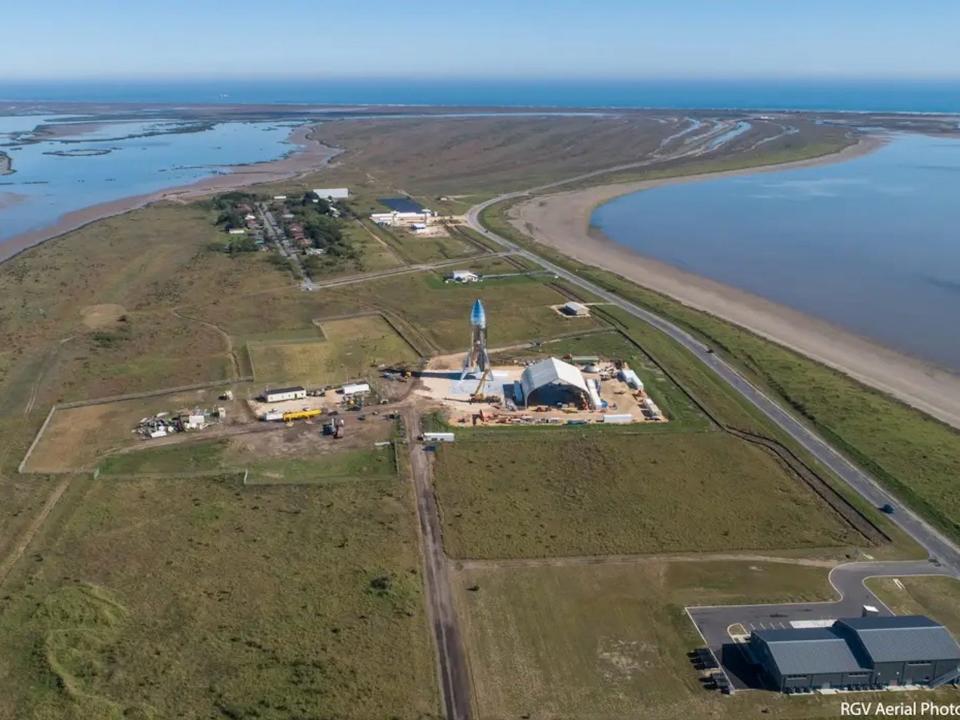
{"x":858,"y":653}
{"x":552,"y":382}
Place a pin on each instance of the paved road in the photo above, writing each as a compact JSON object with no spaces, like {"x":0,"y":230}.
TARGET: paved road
{"x":714,"y":622}
{"x":452,"y":664}
{"x":934,"y":542}
{"x":276,"y":233}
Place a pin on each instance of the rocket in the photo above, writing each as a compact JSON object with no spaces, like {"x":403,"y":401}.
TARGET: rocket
{"x":477,"y":361}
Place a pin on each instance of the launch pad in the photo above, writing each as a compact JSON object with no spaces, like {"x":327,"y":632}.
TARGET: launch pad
{"x":542,"y":390}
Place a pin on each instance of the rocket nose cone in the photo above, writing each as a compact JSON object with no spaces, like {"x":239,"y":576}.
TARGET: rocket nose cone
{"x":478,"y":316}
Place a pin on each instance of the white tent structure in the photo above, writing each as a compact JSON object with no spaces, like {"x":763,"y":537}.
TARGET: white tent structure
{"x":553,"y":381}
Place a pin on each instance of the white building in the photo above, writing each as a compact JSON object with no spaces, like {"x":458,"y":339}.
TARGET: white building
{"x":332,"y":193}
{"x":631,"y":378}
{"x":195,"y":421}
{"x":281,"y":394}
{"x":552,"y":382}
{"x":464,"y":276}
{"x":356,"y":389}
{"x":398,"y":219}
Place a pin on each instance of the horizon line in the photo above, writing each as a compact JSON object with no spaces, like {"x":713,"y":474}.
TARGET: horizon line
{"x":559,"y":79}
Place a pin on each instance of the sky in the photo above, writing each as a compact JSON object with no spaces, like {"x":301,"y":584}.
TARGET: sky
{"x":614,"y":39}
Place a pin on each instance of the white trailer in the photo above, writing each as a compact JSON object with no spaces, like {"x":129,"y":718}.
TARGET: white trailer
{"x":438,"y":437}
{"x":287,"y":393}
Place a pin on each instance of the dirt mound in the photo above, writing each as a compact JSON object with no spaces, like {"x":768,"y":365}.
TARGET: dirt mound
{"x":97,"y":317}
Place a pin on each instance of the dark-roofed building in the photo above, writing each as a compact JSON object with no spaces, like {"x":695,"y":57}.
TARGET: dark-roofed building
{"x":903,"y":650}
{"x":809,"y":657}
{"x":857,"y":652}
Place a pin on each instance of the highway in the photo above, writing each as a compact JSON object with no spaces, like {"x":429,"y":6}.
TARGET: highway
{"x":934,"y":542}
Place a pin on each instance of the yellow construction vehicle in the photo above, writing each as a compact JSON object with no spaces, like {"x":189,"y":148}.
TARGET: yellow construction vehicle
{"x":300,"y":415}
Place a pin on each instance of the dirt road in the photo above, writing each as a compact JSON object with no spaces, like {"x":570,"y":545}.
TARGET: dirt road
{"x":451,"y":658}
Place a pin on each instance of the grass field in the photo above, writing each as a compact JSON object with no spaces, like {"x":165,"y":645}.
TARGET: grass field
{"x":351,"y":349}
{"x":269,"y":603}
{"x":144,"y":263}
{"x":419,"y":249}
{"x":605,"y":493}
{"x":596,"y":642}
{"x":518,"y":309}
{"x":937,"y":597}
{"x":333,"y":464}
{"x":375,"y":254}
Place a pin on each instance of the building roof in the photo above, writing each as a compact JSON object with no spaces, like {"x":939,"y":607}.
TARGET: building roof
{"x":277,"y":391}
{"x":856,"y":644}
{"x":550,"y":371}
{"x":902,"y":638}
{"x":353,"y":389}
{"x":810,"y":650}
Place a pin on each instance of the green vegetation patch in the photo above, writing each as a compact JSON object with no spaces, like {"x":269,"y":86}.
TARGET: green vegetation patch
{"x":352,"y":347}
{"x":516,"y":311}
{"x":603,"y":493}
{"x":354,"y":465}
{"x":192,"y":457}
{"x":327,"y":461}
{"x":202,"y":598}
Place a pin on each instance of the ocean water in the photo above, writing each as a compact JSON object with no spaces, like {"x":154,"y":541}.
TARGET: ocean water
{"x":871,"y":244}
{"x":861,"y":95}
{"x":120,"y":159}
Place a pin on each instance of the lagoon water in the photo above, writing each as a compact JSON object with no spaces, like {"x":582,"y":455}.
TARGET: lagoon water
{"x":871,"y":244}
{"x":57,"y":175}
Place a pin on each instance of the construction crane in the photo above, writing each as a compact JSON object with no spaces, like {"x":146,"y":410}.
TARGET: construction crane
{"x":478,"y":394}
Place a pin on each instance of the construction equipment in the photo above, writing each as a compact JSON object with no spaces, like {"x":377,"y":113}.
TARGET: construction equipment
{"x":300,"y":415}
{"x":478,"y":393}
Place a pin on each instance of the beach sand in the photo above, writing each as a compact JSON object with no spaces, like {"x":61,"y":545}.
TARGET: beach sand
{"x":310,"y":156}
{"x":562,"y":221}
